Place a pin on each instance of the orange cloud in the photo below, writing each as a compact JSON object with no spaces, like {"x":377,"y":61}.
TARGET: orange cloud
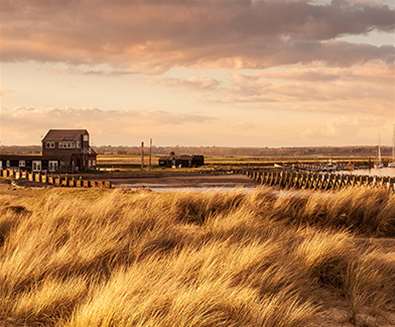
{"x":366,"y":89}
{"x":152,"y":36}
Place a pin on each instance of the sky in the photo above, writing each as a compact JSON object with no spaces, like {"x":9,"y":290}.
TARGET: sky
{"x":199,"y":72}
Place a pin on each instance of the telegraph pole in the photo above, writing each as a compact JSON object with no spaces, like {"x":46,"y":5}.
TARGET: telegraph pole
{"x":150,"y":153}
{"x":142,"y":155}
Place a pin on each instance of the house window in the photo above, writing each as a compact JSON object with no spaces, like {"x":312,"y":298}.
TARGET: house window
{"x":86,"y":138}
{"x":50,"y":145}
{"x":78,"y":144}
{"x":22,"y":163}
{"x":8,"y":164}
{"x":36,"y":165}
{"x":67,"y":145}
{"x":53,"y":165}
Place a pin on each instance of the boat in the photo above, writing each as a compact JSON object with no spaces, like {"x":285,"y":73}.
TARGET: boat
{"x":392,"y":163}
{"x":330,"y":166}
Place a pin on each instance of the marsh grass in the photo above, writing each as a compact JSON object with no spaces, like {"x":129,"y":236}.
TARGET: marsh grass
{"x":118,"y":258}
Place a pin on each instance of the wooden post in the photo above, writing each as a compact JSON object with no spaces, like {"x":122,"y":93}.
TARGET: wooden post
{"x":150,"y":153}
{"x":142,"y":155}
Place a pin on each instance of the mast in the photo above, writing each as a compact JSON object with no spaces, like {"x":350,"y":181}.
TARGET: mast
{"x":379,"y":151}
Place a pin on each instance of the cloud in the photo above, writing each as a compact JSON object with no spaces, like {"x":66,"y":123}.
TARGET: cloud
{"x":193,"y":83}
{"x":367,"y":89}
{"x":152,"y":36}
{"x":108,"y":126}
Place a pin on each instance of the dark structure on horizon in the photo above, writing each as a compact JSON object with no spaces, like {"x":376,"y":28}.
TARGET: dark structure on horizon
{"x":181,"y":161}
{"x":63,"y":150}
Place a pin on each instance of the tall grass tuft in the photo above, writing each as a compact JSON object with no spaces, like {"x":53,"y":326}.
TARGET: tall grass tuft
{"x":265,"y":258}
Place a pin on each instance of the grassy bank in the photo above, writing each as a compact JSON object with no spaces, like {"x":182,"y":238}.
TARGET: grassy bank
{"x":117,"y":258}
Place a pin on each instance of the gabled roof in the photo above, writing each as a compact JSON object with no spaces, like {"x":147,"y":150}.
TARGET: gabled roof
{"x":64,"y":134}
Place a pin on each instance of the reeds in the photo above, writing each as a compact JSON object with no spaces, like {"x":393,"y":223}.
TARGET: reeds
{"x":116,"y":258}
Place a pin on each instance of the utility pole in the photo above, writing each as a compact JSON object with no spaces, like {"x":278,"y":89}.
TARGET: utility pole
{"x":142,"y":155}
{"x":150,"y":153}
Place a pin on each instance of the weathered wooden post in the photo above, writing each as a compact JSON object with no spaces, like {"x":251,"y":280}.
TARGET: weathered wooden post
{"x":369,"y":180}
{"x":392,"y":184}
{"x":283,"y":177}
{"x":266,"y":177}
{"x":142,"y":155}
{"x":57,"y":181}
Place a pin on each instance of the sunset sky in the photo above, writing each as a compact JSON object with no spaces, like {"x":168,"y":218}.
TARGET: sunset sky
{"x":199,"y":72}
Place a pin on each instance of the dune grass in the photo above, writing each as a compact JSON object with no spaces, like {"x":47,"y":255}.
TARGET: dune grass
{"x":118,"y":258}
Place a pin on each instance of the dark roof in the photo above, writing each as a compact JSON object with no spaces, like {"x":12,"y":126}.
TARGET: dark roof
{"x":64,"y":134}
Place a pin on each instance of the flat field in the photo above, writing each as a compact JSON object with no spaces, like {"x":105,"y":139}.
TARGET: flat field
{"x":263,"y":258}
{"x":128,"y":161}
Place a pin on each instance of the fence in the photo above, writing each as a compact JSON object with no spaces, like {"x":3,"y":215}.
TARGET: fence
{"x":54,"y":180}
{"x":316,"y":181}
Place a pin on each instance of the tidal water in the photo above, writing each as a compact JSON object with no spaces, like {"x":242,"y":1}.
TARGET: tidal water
{"x":374,"y":172}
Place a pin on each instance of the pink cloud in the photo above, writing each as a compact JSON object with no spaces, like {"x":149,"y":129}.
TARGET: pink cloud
{"x":156,"y":35}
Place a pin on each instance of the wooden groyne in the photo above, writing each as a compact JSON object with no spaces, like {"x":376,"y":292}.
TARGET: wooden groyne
{"x":53,"y":180}
{"x":288,"y":179}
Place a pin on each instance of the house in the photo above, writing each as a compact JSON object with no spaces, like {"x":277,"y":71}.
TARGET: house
{"x":63,"y":150}
{"x":181,"y":161}
{"x":68,"y":150}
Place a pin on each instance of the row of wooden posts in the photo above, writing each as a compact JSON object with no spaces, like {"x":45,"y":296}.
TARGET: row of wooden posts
{"x":289,"y":179}
{"x":55,"y":180}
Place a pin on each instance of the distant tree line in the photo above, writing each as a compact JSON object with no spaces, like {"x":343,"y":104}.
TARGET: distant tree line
{"x":329,"y":151}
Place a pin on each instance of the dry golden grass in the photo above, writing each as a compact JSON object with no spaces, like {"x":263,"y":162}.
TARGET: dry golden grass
{"x":117,"y":258}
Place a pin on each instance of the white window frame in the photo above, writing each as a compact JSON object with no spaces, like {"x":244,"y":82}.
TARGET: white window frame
{"x":22,"y":163}
{"x":37,"y":165}
{"x":53,"y":165}
{"x":85,"y":138}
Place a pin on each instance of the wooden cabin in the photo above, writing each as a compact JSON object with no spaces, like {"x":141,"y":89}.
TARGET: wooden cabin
{"x":68,"y":150}
{"x":63,"y":150}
